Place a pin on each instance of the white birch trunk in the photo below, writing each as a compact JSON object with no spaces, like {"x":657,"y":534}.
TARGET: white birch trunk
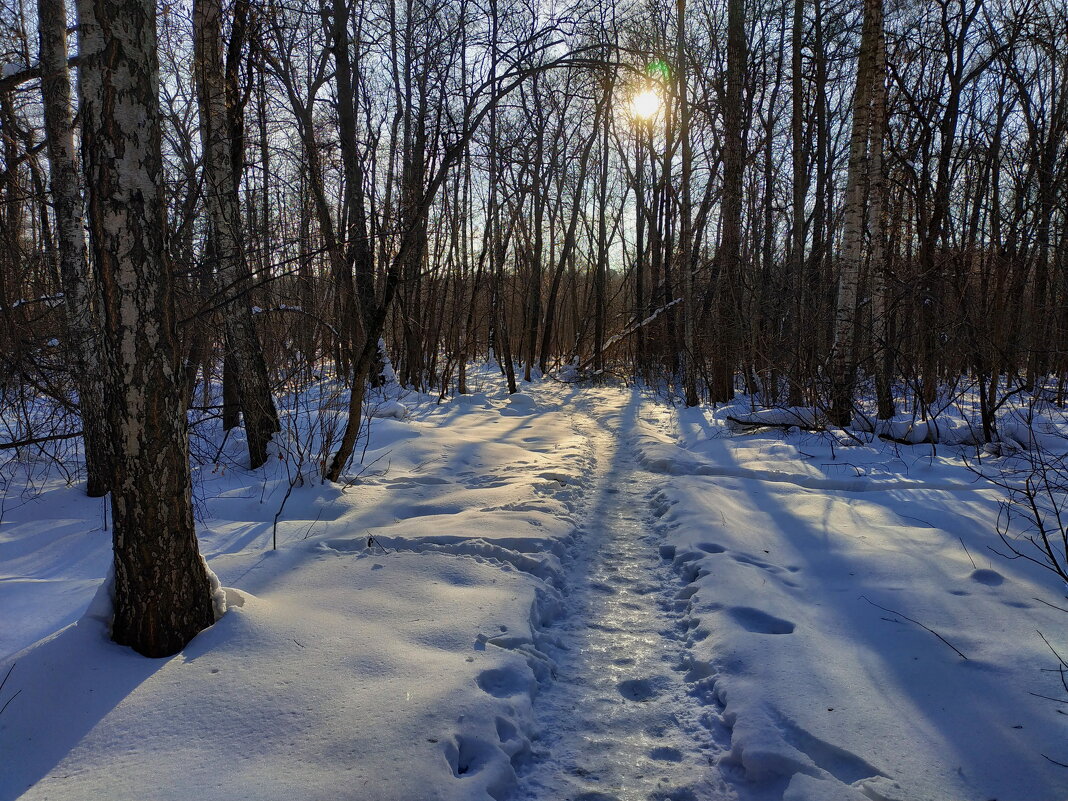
{"x":162,"y":596}
{"x":851,"y":255}
{"x":83,"y":323}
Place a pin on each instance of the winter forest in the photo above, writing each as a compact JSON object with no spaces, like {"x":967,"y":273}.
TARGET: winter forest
{"x":537,"y":401}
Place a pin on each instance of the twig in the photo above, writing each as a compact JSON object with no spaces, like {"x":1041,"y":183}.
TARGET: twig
{"x":22,"y":443}
{"x":965,"y":547}
{"x":2,"y":683}
{"x":9,"y":700}
{"x":1047,"y":603}
{"x":1051,"y":648}
{"x":918,"y":623}
{"x":371,"y":542}
{"x":311,"y":525}
{"x":1055,"y":762}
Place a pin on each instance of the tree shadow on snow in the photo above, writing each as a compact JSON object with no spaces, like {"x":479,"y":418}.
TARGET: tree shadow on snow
{"x":65,"y":686}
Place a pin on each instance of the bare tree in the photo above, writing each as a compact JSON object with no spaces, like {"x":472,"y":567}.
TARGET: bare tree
{"x":218,"y":121}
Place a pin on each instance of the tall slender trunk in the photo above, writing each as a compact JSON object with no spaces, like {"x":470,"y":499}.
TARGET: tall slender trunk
{"x":851,"y":257}
{"x":881,"y":342}
{"x":795,"y":283}
{"x":730,"y":246}
{"x":689,"y":347}
{"x":218,"y":138}
{"x":83,"y":324}
{"x":355,"y":278}
{"x":600,"y":274}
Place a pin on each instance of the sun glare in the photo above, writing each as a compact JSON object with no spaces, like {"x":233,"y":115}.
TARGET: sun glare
{"x":645,"y":104}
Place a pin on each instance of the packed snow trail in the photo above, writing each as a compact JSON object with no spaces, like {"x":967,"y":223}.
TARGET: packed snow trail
{"x":622,"y":722}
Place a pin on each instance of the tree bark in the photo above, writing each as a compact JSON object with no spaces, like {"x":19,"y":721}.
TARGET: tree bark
{"x":729,"y":256}
{"x":162,"y":595}
{"x":83,"y":325}
{"x":221,"y":199}
{"x":851,"y":258}
{"x":689,"y":345}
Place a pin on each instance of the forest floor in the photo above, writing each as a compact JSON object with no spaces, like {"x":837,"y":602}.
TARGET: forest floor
{"x":572,"y":593}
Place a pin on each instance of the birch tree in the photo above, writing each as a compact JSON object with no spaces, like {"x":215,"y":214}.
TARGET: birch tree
{"x":82,"y":322}
{"x":162,"y":594}
{"x":851,"y":257}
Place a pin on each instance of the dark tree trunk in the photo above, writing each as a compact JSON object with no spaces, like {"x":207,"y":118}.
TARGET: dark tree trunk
{"x":220,"y":137}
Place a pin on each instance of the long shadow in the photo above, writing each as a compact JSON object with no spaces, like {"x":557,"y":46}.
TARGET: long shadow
{"x":65,"y":686}
{"x":977,"y":687}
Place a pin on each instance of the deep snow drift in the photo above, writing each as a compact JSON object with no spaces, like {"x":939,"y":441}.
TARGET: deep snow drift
{"x":568,"y":593}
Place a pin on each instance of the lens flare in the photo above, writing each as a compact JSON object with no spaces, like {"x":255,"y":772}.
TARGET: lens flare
{"x":645,"y":104}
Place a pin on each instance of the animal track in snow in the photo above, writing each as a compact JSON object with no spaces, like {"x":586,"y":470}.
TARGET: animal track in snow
{"x":505,"y":682}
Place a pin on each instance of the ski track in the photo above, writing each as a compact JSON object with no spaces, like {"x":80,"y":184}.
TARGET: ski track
{"x":626,"y":719}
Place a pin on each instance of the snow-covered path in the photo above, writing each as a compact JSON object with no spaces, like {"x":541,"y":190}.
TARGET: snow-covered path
{"x":622,"y":721}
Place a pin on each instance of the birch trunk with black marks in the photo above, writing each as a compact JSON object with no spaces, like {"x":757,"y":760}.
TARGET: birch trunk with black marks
{"x":851,"y":256}
{"x":224,"y":211}
{"x":162,"y":595}
{"x":83,"y":325}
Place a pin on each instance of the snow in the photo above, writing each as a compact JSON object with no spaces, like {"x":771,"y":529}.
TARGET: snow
{"x":570,"y":592}
{"x":49,"y":300}
{"x":787,"y":568}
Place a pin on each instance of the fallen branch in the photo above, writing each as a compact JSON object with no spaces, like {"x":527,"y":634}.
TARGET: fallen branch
{"x":918,"y":623}
{"x":626,"y":332}
{"x":755,"y":424}
{"x":1047,"y":603}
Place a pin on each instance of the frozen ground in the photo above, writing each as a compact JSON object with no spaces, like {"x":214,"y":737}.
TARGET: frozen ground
{"x":568,"y":594}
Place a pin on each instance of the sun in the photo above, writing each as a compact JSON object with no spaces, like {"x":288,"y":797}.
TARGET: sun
{"x":645,"y":104}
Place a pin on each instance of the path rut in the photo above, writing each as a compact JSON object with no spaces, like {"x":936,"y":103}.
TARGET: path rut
{"x":622,"y":722}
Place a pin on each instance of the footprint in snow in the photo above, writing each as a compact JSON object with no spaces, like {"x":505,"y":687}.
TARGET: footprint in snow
{"x":666,"y":754}
{"x":757,"y":622}
{"x":504,"y":682}
{"x":638,"y":689}
{"x":711,"y":547}
{"x":990,"y":578}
